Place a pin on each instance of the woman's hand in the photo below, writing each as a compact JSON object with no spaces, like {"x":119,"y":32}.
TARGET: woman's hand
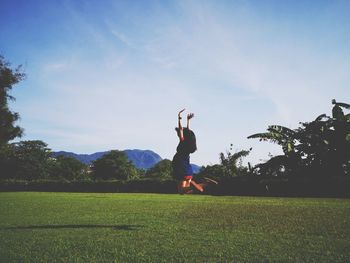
{"x":181,"y":111}
{"x":190,"y":116}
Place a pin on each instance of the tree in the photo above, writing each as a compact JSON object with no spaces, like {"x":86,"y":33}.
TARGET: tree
{"x":230,"y":166}
{"x":114,"y":165}
{"x":317,"y":148}
{"x":69,"y":168}
{"x":7,"y":164}
{"x":8,"y":78}
{"x":280,"y":164}
{"x":324,"y":143}
{"x":283,"y":136}
{"x":27,"y":160}
{"x":162,"y":170}
{"x":232,"y":163}
{"x":215,"y":171}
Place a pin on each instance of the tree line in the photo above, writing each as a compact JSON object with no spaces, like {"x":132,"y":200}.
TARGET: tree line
{"x":316,"y":149}
{"x":33,"y":160}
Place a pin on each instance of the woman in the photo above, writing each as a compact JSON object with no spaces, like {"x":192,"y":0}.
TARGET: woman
{"x":181,"y":162}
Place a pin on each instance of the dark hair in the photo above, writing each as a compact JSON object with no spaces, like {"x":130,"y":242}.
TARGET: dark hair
{"x":189,"y":144}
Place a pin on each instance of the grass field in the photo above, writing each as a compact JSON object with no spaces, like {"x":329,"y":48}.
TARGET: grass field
{"x":80,"y":227}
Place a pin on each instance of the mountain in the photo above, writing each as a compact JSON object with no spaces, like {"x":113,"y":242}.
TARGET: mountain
{"x":195,"y":168}
{"x":142,"y":159}
{"x":84,"y":158}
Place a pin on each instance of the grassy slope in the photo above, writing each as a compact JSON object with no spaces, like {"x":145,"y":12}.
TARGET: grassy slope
{"x":40,"y":227}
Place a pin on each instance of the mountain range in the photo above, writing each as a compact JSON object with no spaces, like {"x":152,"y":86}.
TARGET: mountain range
{"x":142,"y":159}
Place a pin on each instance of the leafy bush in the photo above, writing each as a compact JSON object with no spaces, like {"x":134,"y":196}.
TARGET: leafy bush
{"x":135,"y":186}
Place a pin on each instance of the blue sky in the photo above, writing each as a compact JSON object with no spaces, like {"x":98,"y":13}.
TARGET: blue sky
{"x":112,"y":74}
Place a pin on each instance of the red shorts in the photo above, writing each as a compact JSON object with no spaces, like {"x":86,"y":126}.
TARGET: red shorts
{"x":188,"y":177}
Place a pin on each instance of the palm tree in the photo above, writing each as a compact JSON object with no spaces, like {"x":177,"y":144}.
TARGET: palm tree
{"x":280,"y":164}
{"x":320,"y":147}
{"x":232,"y":163}
{"x":278,"y":134}
{"x":325,"y":142}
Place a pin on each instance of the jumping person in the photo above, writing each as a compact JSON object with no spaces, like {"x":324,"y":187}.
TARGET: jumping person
{"x":181,"y":162}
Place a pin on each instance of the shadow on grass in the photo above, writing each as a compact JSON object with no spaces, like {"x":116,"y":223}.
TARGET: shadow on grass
{"x":114,"y":227}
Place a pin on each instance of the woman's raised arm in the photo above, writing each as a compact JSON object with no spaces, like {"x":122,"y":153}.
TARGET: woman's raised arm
{"x":189,"y":116}
{"x":180,"y":130}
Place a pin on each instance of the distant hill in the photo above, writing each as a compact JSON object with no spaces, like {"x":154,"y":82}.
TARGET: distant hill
{"x":142,"y":159}
{"x":84,"y":158}
{"x":195,"y":168}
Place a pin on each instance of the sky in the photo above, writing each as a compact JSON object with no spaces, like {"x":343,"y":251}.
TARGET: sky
{"x":113,"y":74}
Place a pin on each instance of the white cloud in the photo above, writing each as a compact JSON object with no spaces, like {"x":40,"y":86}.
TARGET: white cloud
{"x":123,"y":38}
{"x":236,"y":73}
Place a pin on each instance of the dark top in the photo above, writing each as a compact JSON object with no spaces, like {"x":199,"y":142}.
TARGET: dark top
{"x":181,"y":162}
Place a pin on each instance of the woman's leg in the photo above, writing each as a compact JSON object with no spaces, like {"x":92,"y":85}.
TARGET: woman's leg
{"x":183,"y":187}
{"x":187,"y":183}
{"x":197,"y":186}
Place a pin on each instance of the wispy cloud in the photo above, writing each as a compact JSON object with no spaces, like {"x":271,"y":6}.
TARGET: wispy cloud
{"x":123,"y":38}
{"x":236,"y":69}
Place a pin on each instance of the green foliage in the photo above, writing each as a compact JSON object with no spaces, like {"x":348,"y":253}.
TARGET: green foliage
{"x":86,"y":184}
{"x":230,"y":166}
{"x":8,"y":78}
{"x":337,"y":111}
{"x":114,"y":165}
{"x":215,"y":171}
{"x":232,"y":163}
{"x":278,"y":134}
{"x":28,"y":160}
{"x":68,"y":168}
{"x":323,"y":144}
{"x":317,"y":148}
{"x":279,"y":165}
{"x":32,"y":160}
{"x":162,"y":170}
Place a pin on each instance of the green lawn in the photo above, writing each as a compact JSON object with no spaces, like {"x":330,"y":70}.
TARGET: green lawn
{"x":81,"y":227}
